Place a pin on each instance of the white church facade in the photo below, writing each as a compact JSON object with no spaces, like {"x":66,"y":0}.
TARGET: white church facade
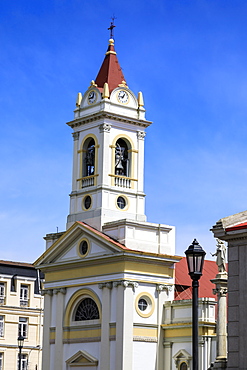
{"x":108,"y":276}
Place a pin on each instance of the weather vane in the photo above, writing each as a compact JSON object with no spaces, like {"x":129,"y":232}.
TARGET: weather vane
{"x":112,"y":26}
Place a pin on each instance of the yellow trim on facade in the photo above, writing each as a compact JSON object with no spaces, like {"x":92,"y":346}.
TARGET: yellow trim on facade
{"x":123,"y":177}
{"x":145,"y":332}
{"x":74,"y":333}
{"x":112,"y":331}
{"x":185,"y":329}
{"x":109,"y":268}
{"x":87,"y":177}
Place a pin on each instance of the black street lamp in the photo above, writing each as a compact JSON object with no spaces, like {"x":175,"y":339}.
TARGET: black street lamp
{"x":20,"y":345}
{"x":195,"y":259}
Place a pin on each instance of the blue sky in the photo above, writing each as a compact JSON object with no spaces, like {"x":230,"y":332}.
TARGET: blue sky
{"x":187,"y":57}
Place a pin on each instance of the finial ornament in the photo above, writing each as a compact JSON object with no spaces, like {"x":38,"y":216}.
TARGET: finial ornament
{"x":112,"y":26}
{"x":79,"y":99}
{"x":92,"y":83}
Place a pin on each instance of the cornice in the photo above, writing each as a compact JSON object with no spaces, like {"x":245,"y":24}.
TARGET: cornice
{"x":113,"y":116}
{"x":129,"y":256}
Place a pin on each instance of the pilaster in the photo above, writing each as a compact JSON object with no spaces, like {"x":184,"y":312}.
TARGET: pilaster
{"x":46,"y":329}
{"x":163,"y":291}
{"x":168,"y":355}
{"x":75,"y":162}
{"x":124,"y":324}
{"x":140,"y":160}
{"x":59,"y":328}
{"x":104,"y":154}
{"x":105,"y":326}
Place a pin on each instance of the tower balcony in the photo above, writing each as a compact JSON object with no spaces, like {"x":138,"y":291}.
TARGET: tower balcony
{"x":88,"y":181}
{"x":123,"y":181}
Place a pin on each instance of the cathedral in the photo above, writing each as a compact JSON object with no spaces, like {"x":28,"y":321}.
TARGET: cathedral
{"x":108,"y":276}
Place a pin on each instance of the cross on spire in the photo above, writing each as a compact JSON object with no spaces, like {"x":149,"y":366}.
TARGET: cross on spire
{"x":112,"y":26}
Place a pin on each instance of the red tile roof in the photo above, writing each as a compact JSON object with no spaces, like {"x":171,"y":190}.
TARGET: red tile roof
{"x":110,"y":70}
{"x":183,"y":281}
{"x":237,"y":227}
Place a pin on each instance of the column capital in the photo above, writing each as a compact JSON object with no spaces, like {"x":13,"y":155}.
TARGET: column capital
{"x":105,"y":285}
{"x":161,"y":287}
{"x":221,"y":291}
{"x":59,"y":290}
{"x":126,"y":283}
{"x":76,"y":135}
{"x":104,"y":127}
{"x":141,"y":135}
{"x":46,"y":291}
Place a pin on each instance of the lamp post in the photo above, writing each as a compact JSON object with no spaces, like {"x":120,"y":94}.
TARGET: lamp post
{"x":195,"y":259}
{"x":20,"y":345}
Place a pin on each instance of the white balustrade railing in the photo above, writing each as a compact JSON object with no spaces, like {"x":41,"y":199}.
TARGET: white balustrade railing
{"x":87,"y":181}
{"x":123,"y":182}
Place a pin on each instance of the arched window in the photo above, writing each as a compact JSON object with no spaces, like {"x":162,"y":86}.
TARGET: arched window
{"x":86,"y":310}
{"x":121,"y":158}
{"x":89,"y":158}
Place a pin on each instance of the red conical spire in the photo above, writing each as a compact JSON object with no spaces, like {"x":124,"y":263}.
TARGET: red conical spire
{"x":110,"y":70}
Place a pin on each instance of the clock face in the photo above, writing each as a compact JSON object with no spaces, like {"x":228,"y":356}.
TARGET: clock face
{"x":92,"y":97}
{"x":123,"y":97}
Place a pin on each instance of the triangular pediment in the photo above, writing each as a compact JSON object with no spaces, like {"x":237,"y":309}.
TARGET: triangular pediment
{"x":182,"y":354}
{"x":81,"y":359}
{"x":67,"y":247}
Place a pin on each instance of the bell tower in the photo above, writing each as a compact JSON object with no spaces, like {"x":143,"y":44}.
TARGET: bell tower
{"x":108,"y":161}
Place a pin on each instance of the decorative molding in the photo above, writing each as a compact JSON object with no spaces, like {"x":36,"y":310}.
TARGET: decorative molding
{"x":126,"y":283}
{"x":76,"y":135}
{"x":145,"y":339}
{"x":141,"y":135}
{"x":107,"y":115}
{"x":161,"y":287}
{"x":105,"y":127}
{"x":222,"y":292}
{"x":46,"y":291}
{"x":59,"y":290}
{"x":105,"y":285}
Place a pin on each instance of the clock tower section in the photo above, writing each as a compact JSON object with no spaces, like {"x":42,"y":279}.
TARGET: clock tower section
{"x":108,"y":161}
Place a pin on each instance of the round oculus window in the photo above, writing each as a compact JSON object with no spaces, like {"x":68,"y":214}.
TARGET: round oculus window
{"x":87,"y":202}
{"x":83,"y":247}
{"x":142,"y":304}
{"x":121,"y":202}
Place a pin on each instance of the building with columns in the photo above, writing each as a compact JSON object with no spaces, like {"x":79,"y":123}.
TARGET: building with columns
{"x":108,"y":276}
{"x":233,"y":230}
